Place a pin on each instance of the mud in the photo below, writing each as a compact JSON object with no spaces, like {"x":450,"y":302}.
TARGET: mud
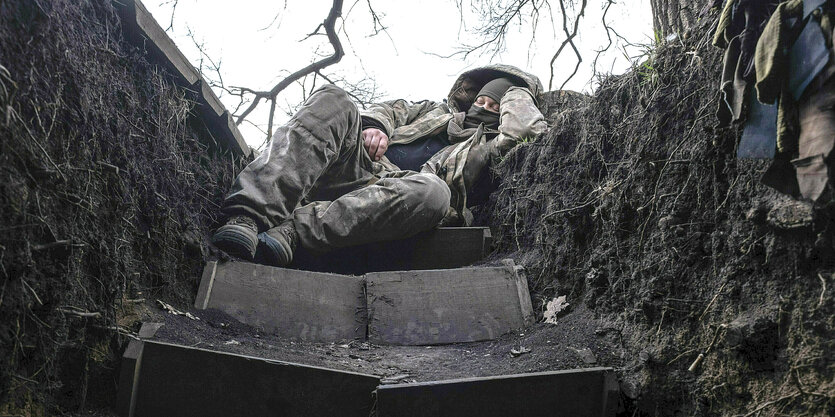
{"x":108,"y":190}
{"x":634,"y":207}
{"x":709,"y":293}
{"x":552,"y":347}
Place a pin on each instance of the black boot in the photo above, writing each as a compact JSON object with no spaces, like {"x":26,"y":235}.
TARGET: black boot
{"x":277,"y":245}
{"x":238,"y":237}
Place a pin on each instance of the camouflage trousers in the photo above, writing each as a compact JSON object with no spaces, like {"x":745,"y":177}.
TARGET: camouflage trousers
{"x":316,"y":171}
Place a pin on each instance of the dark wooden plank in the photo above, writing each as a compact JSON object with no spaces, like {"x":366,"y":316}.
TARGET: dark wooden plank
{"x":522,"y":291}
{"x":143,"y":30}
{"x":611,"y":392}
{"x":183,"y":381}
{"x":310,"y":306}
{"x":129,"y":370}
{"x":205,"y":288}
{"x":210,"y":100}
{"x":443,"y":306}
{"x":445,"y":247}
{"x":161,"y":44}
{"x":221,"y":127}
{"x":148,"y":330}
{"x":129,"y":378}
{"x":450,"y":247}
{"x":572,"y":393}
{"x":232,"y":128}
{"x":487,"y":242}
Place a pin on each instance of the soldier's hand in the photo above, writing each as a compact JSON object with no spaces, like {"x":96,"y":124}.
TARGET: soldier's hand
{"x":376,"y":142}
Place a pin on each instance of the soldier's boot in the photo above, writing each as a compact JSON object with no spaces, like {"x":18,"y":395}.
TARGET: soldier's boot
{"x":238,"y":237}
{"x":277,"y":245}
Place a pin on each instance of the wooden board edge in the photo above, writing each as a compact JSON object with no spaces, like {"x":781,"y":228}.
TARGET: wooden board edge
{"x":141,"y":27}
{"x":130,"y":368}
{"x":215,"y":107}
{"x":215,"y":113}
{"x":611,"y":394}
{"x":149,"y":329}
{"x":487,"y":242}
{"x":523,"y":297}
{"x":157,"y":343}
{"x":377,"y":274}
{"x":525,"y":304}
{"x":363,"y":314}
{"x":206,"y":283}
{"x":369,"y":312}
{"x":129,"y":378}
{"x":236,"y":135}
{"x":148,"y":25}
{"x":223,"y":267}
{"x":385,"y":387}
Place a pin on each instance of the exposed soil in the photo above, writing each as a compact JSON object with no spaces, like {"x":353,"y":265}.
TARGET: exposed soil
{"x":552,"y":347}
{"x":108,"y":190}
{"x":633,"y":206}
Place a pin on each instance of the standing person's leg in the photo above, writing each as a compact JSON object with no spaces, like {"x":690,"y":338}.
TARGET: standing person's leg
{"x":321,"y":136}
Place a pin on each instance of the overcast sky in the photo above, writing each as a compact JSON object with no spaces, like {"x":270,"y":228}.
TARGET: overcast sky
{"x":257,"y":43}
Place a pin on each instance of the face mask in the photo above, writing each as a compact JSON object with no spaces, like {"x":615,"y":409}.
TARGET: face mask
{"x":477,"y":115}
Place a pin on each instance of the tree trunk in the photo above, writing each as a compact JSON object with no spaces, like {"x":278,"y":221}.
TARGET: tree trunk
{"x":675,"y":16}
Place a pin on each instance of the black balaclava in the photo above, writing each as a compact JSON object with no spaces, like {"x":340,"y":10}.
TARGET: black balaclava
{"x":494,"y":89}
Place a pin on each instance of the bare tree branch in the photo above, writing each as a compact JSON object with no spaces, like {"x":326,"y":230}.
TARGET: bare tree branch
{"x":569,"y":40}
{"x":329,"y":26}
{"x":213,"y":66}
{"x":496,"y":19}
{"x":276,"y":21}
{"x":609,"y":30}
{"x":270,"y":121}
{"x":364,"y":91}
{"x":610,"y":40}
{"x":173,"y":4}
{"x":375,"y":20}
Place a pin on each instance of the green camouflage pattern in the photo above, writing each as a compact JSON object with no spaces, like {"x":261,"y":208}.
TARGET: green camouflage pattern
{"x":460,"y":163}
{"x":320,"y":176}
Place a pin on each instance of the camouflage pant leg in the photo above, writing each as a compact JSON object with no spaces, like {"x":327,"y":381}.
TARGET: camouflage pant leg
{"x":399,"y":205}
{"x":318,"y":151}
{"x":318,"y":156}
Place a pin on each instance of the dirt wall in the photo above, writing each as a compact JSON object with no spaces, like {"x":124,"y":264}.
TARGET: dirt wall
{"x":635,"y":205}
{"x":108,"y":189}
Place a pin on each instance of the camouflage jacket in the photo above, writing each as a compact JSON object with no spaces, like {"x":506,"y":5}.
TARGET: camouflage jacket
{"x":470,"y":151}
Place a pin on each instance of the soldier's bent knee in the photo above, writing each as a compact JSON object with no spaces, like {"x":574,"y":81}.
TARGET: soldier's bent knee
{"x":337,"y":98}
{"x":434,"y":194}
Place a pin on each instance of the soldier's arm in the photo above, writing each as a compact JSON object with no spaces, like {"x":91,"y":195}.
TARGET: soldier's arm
{"x":390,"y":115}
{"x":520,"y":119}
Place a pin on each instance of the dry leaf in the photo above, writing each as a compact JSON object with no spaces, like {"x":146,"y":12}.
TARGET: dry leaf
{"x":521,"y":351}
{"x":169,"y":308}
{"x":553,"y":308}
